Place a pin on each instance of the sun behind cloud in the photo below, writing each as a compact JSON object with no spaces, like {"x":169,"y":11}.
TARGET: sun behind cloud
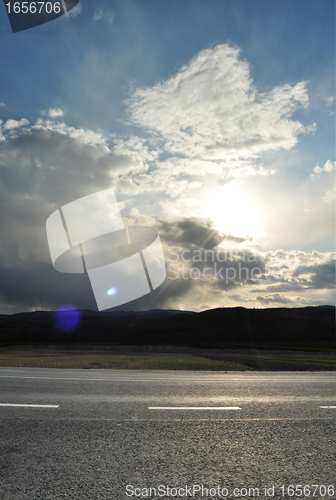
{"x":234,"y":211}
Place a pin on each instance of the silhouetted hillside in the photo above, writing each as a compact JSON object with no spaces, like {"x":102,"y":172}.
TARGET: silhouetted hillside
{"x":302,"y":328}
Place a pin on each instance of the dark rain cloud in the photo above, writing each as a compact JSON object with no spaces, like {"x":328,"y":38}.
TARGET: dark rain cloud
{"x":194,"y":231}
{"x":321,"y":276}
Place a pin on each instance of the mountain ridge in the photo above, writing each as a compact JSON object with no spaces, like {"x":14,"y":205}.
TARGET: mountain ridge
{"x":311,"y":326}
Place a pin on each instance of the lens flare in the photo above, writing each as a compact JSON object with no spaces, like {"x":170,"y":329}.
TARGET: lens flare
{"x":112,"y":291}
{"x":67,"y":318}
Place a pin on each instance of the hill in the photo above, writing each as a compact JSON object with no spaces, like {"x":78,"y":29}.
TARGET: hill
{"x":308,"y":328}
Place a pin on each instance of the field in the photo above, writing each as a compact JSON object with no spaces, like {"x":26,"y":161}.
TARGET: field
{"x":155,"y":361}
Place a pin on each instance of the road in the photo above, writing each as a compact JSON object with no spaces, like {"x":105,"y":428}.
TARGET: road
{"x":101,"y":431}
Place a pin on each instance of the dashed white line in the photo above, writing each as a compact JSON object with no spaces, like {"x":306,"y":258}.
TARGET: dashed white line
{"x":328,"y":407}
{"x":29,"y":405}
{"x":194,"y":408}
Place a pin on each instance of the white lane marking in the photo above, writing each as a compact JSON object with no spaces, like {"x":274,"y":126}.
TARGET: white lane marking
{"x":29,"y":405}
{"x":328,"y":407}
{"x":194,"y":408}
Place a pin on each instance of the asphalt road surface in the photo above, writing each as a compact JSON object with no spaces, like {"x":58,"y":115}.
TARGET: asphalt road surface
{"x":111,"y":434}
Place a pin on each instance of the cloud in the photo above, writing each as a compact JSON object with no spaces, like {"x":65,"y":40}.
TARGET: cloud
{"x":136,"y":145}
{"x":86,"y":136}
{"x":236,"y":297}
{"x":156,"y":182}
{"x":328,"y":167}
{"x":2,"y":104}
{"x":321,"y":276}
{"x":279,"y":299}
{"x":73,"y":12}
{"x":13,"y":124}
{"x":46,"y":162}
{"x":100,"y":14}
{"x":46,"y":166}
{"x":209,"y":124}
{"x":42,"y":168}
{"x":329,"y":197}
{"x":50,"y":163}
{"x":137,"y":218}
{"x":210,"y":109}
{"x":195,"y":231}
{"x":53,"y":112}
{"x":2,"y":138}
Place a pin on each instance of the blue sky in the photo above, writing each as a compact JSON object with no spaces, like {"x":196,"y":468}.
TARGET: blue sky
{"x":215,"y":114}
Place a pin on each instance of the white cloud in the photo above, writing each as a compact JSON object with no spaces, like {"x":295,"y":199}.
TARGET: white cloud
{"x":1,"y":136}
{"x":136,"y":218}
{"x":276,"y":297}
{"x":136,"y":146}
{"x":53,"y":112}
{"x":329,"y":166}
{"x":101,"y":14}
{"x":73,"y":12}
{"x":12,"y":124}
{"x":330,"y":196}
{"x":86,"y":136}
{"x":2,"y":104}
{"x":211,"y":110}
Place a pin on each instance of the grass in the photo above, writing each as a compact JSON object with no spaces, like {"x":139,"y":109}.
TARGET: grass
{"x":228,"y":362}
{"x":282,"y":362}
{"x":52,"y":359}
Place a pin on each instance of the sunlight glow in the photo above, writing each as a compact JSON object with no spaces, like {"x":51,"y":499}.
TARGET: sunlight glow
{"x":234,"y":211}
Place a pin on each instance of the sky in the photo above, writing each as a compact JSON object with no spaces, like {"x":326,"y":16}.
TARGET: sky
{"x":213,"y":121}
